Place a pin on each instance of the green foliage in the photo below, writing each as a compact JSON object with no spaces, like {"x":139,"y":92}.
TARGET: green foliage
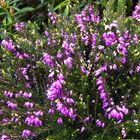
{"x":121,"y":8}
{"x":108,"y":13}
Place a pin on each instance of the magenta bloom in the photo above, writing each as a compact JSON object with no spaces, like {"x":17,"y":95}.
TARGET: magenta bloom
{"x":138,"y":68}
{"x":82,"y":129}
{"x":4,"y":137}
{"x":46,"y":33}
{"x":47,"y":59}
{"x":27,"y":95}
{"x":99,"y":123}
{"x":100,"y":70}
{"x":12,"y":105}
{"x":8,"y":44}
{"x":26,"y":134}
{"x":19,"y":26}
{"x":55,"y":90}
{"x":53,"y":18}
{"x":51,"y":111}
{"x":84,"y":70}
{"x":109,"y":38}
{"x":28,"y":105}
{"x":33,"y":121}
{"x":38,"y":113}
{"x":93,"y":40}
{"x":60,"y":121}
{"x":136,"y":13}
{"x":8,"y":94}
{"x":68,"y":62}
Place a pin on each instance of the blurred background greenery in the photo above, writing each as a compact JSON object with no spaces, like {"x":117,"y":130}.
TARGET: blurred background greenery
{"x":36,"y":10}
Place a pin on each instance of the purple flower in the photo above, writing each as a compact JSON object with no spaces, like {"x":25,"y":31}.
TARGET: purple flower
{"x":102,"y":92}
{"x":70,"y":101}
{"x":123,"y":60}
{"x":24,"y":72}
{"x":26,"y":134}
{"x":8,"y":94}
{"x":62,"y":109}
{"x":100,"y":70}
{"x":68,"y":62}
{"x":99,"y":81}
{"x":46,"y":33}
{"x":82,"y":129}
{"x":114,"y":24}
{"x":19,"y":94}
{"x":93,"y":41}
{"x":123,"y":109}
{"x":21,"y":55}
{"x":27,"y":95}
{"x":85,"y":39}
{"x":66,"y":46}
{"x":15,"y":119}
{"x":33,"y":121}
{"x":121,"y":49}
{"x":12,"y":105}
{"x":115,"y":114}
{"x":123,"y":132}
{"x":1,"y":112}
{"x":78,"y":19}
{"x":8,"y":44}
{"x":38,"y":113}
{"x":59,"y":55}
{"x":95,"y":18}
{"x":113,"y":67}
{"x":109,"y":38}
{"x":4,"y":137}
{"x":5,"y":121}
{"x":53,"y":18}
{"x":27,"y":85}
{"x":135,"y":39}
{"x":51,"y":75}
{"x":67,"y":112}
{"x":99,"y":123}
{"x":60,"y":121}
{"x":136,"y":13}
{"x":138,"y":68}
{"x":97,"y":57}
{"x":28,"y":105}
{"x":47,"y":59}
{"x":51,"y":111}
{"x":19,"y":26}
{"x":55,"y":90}
{"x":83,"y":69}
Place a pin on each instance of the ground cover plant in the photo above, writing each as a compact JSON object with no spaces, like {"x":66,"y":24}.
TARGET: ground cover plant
{"x":76,"y":77}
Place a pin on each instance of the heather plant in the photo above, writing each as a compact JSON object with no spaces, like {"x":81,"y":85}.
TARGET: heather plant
{"x":77,"y":79}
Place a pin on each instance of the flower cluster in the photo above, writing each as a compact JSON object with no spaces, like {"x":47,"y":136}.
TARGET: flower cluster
{"x":53,"y":18}
{"x":9,"y":46}
{"x":109,"y":38}
{"x":19,"y":26}
{"x":15,"y":116}
{"x":33,"y":121}
{"x":136,"y":13}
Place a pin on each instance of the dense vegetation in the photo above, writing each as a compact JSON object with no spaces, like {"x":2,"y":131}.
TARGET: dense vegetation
{"x":69,"y":69}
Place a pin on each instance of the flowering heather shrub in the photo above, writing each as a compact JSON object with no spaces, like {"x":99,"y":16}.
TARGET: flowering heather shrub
{"x":80,"y":74}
